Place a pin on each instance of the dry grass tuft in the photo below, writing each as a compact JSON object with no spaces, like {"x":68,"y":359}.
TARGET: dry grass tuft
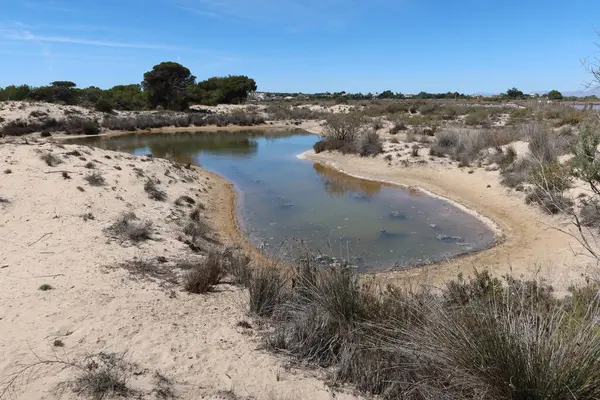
{"x":127,"y":227}
{"x":95,"y":179}
{"x":205,"y":275}
{"x":154,"y":192}
{"x":51,"y":159}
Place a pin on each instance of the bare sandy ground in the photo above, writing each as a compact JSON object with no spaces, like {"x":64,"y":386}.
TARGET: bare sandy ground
{"x":529,"y":244}
{"x":96,"y":306}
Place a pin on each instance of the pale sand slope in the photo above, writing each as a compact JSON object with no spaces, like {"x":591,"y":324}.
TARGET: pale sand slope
{"x":530,"y":243}
{"x":96,"y":306}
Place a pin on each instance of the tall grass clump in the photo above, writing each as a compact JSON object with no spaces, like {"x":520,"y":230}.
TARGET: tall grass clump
{"x":476,"y":338}
{"x":348,"y":133}
{"x":542,"y":143}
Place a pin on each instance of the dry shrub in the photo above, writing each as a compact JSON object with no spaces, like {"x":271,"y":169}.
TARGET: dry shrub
{"x":476,"y":338}
{"x":369,"y":144}
{"x":205,"y":275}
{"x":516,"y":173}
{"x":478,"y":117}
{"x":344,"y":127}
{"x":197,"y":229}
{"x":128,"y":227}
{"x":590,"y":214}
{"x":399,"y":125}
{"x":51,"y":159}
{"x":415,"y":150}
{"x":267,"y":288}
{"x":542,"y":143}
{"x":154,"y":192}
{"x":95,"y":179}
{"x":550,"y":201}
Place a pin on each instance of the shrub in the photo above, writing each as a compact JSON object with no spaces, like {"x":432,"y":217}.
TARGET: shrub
{"x":205,"y":275}
{"x":369,"y":144}
{"x":82,"y":126}
{"x":51,"y":159}
{"x":343,"y":127}
{"x":267,"y":291}
{"x":590,"y":214}
{"x":104,"y":375}
{"x":516,"y":173}
{"x":154,"y":192}
{"x":476,"y":338}
{"x":45,"y":287}
{"x":19,"y":128}
{"x":542,"y":144}
{"x":415,"y":150}
{"x":550,"y":201}
{"x":196,"y":229}
{"x":127,"y":227}
{"x":104,"y":105}
{"x":237,"y":265}
{"x":95,"y":179}
{"x":399,"y":125}
{"x":478,"y":117}
{"x":553,"y":177}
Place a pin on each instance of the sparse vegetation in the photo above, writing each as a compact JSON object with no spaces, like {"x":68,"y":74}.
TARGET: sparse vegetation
{"x":154,"y":192}
{"x":128,"y":227}
{"x":205,"y":275}
{"x":95,"y":179}
{"x":45,"y":287}
{"x":477,"y":338}
{"x":51,"y":159}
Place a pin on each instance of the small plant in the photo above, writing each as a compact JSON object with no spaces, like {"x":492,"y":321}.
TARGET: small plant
{"x":196,"y":229}
{"x":267,"y":288}
{"x":128,"y":227}
{"x":66,"y":175}
{"x":95,"y":179}
{"x":90,"y":165}
{"x":415,"y":150}
{"x":45,"y":287}
{"x":88,"y":217}
{"x":206,"y":274}
{"x":8,"y":171}
{"x":50,"y":159}
{"x":185,"y":200}
{"x":80,"y":189}
{"x":154,"y":192}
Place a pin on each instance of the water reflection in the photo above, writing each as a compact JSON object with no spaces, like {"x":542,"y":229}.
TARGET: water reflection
{"x":340,"y":184}
{"x":283,"y":199}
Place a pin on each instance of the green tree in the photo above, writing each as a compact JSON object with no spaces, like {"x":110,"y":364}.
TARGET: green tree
{"x":167,"y":85}
{"x":12,"y":92}
{"x":127,"y":97}
{"x":514,"y":93}
{"x":554,"y":95}
{"x":64,"y":91}
{"x":231,"y":89}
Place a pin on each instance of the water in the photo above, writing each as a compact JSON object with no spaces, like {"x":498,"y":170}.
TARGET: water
{"x":284,"y":200}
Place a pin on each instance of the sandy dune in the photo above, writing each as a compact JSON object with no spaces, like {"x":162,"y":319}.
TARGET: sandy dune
{"x":97,"y":306}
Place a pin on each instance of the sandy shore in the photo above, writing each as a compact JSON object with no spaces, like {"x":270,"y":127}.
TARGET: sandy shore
{"x":54,"y":233}
{"x":528,"y":244}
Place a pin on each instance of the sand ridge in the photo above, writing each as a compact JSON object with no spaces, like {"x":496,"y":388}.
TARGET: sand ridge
{"x":96,"y":306}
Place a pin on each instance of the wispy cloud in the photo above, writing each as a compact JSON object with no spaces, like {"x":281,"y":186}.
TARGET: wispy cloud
{"x":202,"y":13}
{"x":294,"y":15}
{"x":28,"y":36}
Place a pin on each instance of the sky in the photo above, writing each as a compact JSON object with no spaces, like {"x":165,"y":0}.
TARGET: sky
{"x":408,"y":46}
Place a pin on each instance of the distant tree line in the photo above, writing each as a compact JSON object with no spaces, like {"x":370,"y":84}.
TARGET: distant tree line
{"x":168,"y":85}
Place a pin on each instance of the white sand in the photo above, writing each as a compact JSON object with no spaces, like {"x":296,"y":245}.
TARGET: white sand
{"x":96,"y":306}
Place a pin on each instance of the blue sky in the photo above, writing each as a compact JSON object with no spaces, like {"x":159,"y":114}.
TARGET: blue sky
{"x":305,"y":45}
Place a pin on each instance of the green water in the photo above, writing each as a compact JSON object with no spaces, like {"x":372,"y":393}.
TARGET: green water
{"x":286,"y":203}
